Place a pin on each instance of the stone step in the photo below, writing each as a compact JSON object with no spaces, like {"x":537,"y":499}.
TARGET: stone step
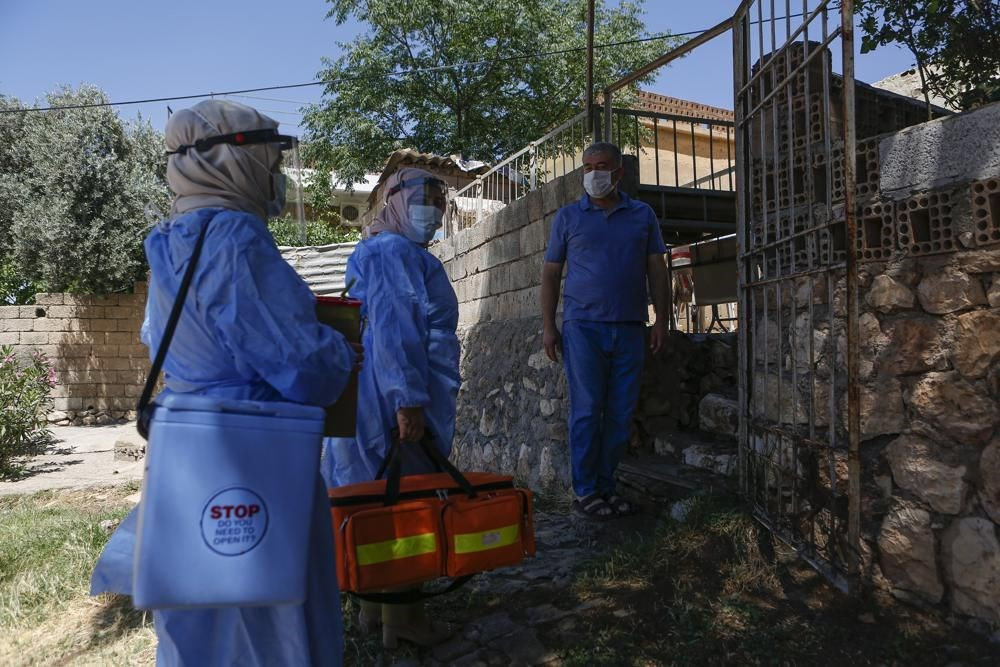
{"x":719,"y":415}
{"x":655,"y":480}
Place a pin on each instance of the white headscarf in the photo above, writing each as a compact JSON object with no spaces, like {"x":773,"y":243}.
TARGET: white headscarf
{"x":394,"y":217}
{"x":227,"y":176}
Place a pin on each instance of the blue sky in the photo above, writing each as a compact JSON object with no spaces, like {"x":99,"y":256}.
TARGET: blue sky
{"x":136,"y":50}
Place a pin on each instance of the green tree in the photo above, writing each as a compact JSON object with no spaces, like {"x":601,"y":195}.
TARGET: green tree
{"x":286,"y":232}
{"x":375,"y":101}
{"x":13,"y":287}
{"x":75,"y":186}
{"x":956,"y":44}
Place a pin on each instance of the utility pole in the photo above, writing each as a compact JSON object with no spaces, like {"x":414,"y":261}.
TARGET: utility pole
{"x":590,"y":65}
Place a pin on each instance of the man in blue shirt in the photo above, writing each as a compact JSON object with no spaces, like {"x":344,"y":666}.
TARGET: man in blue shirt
{"x":611,"y":246}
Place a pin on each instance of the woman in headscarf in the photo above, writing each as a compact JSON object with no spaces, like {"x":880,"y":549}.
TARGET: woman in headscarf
{"x":410,"y":379}
{"x":248,"y":331}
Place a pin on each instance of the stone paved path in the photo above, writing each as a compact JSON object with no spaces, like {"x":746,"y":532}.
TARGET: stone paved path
{"x":511,"y":637}
{"x":81,"y":456}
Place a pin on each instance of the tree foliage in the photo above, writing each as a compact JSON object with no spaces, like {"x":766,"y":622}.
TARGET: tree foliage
{"x":956,"y":44}
{"x":75,"y":186}
{"x":286,"y":232}
{"x":375,"y":101}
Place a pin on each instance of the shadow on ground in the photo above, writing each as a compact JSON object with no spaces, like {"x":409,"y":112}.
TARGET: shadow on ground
{"x":650,"y":591}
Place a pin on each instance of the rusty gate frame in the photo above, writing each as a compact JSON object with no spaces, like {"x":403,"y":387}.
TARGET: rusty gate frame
{"x":802,"y":479}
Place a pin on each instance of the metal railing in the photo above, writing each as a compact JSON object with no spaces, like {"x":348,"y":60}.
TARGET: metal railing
{"x":672,"y":150}
{"x":555,"y":154}
{"x":676,"y":151}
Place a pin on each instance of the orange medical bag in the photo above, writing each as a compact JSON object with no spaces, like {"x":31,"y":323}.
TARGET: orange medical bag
{"x":400,"y":531}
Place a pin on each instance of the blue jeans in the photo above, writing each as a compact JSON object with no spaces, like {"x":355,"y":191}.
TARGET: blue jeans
{"x":604,"y":367}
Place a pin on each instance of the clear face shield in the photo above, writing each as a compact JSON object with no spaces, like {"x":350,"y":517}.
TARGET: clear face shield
{"x":423,"y":191}
{"x":426,"y":202}
{"x":277,"y":148}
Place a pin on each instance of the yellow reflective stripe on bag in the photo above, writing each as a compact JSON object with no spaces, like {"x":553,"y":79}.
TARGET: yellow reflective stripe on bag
{"x":401,"y":547}
{"x":466,"y":543}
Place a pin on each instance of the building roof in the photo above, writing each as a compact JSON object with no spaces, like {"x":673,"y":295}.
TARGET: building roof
{"x":647,"y":101}
{"x":408,"y":157}
{"x":451,"y":165}
{"x":908,"y":84}
{"x":322,"y":267}
{"x":337,"y":186}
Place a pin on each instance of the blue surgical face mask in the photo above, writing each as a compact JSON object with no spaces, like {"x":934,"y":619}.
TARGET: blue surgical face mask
{"x":423,"y":222}
{"x":277,"y":205}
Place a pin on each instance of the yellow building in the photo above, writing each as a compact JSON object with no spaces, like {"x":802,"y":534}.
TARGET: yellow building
{"x":679,"y":146}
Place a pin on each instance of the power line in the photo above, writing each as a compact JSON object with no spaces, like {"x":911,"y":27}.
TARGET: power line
{"x":272,"y":99}
{"x":286,"y":113}
{"x":422,"y":70}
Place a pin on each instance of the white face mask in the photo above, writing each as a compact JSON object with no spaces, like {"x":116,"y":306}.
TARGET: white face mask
{"x":598,"y":183}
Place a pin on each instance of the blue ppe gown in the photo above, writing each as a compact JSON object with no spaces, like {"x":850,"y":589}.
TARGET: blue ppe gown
{"x":411,"y":354}
{"x":248,"y":331}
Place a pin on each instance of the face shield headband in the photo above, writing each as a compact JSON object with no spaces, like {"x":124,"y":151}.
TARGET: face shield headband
{"x":266,"y":136}
{"x":429,"y":191}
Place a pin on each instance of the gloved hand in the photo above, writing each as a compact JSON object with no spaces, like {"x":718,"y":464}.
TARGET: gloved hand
{"x":359,"y":350}
{"x":411,"y":424}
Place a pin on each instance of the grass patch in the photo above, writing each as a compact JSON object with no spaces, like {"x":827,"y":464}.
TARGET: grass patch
{"x":552,"y":500}
{"x":49,"y":543}
{"x":712,"y":590}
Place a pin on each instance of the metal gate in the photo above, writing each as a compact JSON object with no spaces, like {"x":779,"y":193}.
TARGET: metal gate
{"x":799,"y":428}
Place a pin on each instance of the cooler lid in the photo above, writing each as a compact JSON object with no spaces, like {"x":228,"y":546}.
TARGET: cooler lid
{"x":342,"y":301}
{"x":198,"y":403}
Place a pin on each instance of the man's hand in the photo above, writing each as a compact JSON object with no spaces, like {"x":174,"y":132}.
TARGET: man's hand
{"x":411,"y":424}
{"x":553,"y":342}
{"x":551,"y":275}
{"x":657,"y":336}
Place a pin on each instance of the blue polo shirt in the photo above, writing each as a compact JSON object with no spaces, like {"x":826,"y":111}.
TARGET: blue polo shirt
{"x":605,"y":253}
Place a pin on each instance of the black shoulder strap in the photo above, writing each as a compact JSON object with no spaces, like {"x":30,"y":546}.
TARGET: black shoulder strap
{"x":142,"y":418}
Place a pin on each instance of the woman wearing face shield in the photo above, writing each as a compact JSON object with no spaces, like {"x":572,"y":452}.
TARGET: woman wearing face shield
{"x":248,"y":331}
{"x":410,"y":380}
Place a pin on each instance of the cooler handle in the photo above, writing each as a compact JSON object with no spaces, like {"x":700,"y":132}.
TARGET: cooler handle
{"x":393,"y":464}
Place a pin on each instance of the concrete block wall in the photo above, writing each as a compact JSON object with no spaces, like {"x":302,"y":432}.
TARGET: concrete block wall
{"x":512,"y":407}
{"x":495,"y":265}
{"x":93,"y":344}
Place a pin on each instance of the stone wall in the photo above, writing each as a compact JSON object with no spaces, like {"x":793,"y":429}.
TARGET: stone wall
{"x":93,"y":343}
{"x":513,"y":405}
{"x":929,"y":253}
{"x":931,"y":346}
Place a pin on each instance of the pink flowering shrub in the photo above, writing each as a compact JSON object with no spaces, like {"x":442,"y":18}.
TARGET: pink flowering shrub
{"x":25,"y":399}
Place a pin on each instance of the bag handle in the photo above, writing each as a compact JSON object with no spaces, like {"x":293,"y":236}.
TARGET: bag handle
{"x":393,"y":465}
{"x":143,"y":415}
{"x":411,"y":596}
